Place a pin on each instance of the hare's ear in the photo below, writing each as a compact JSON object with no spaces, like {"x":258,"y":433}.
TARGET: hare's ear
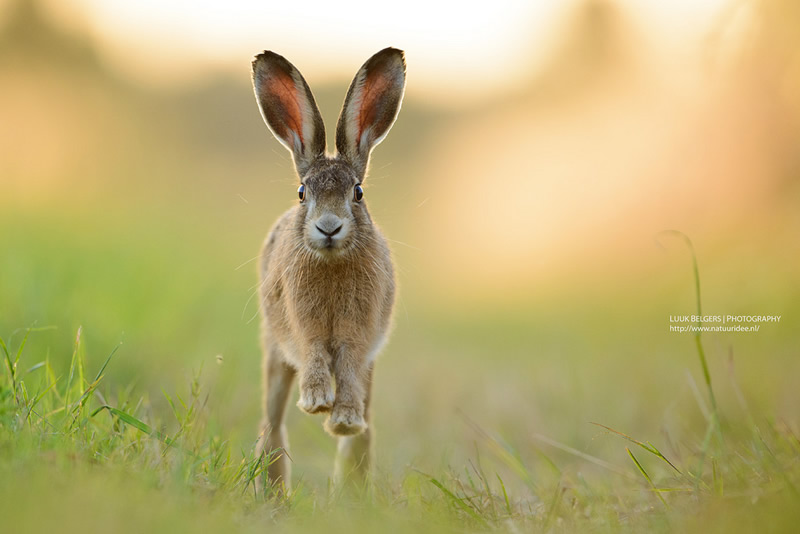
{"x":371,"y":106}
{"x":288,"y":108}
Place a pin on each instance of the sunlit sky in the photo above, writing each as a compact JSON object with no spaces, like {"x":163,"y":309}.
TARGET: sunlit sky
{"x":455,"y":53}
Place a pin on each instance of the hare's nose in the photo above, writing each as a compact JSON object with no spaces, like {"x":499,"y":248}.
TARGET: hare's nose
{"x":332,"y":232}
{"x":329,"y":225}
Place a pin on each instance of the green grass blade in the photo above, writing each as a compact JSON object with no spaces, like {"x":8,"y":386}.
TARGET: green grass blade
{"x":51,"y":377}
{"x":460,"y":503}
{"x":649,"y":447}
{"x":580,"y":454}
{"x":38,"y":398}
{"x":503,"y":452}
{"x":81,"y":402}
{"x":697,"y":336}
{"x":137,"y":424}
{"x":712,"y":424}
{"x":505,"y":494}
{"x":72,"y":367}
{"x":172,"y":405}
{"x":21,"y":347}
{"x":9,"y":365}
{"x":105,"y":363}
{"x":23,"y":391}
{"x":641,"y":469}
{"x":646,"y":476}
{"x":553,"y":507}
{"x":35,"y":367}
{"x":485,"y":480}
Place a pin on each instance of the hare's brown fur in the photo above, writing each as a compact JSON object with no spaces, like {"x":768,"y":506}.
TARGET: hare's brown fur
{"x":327,"y":282}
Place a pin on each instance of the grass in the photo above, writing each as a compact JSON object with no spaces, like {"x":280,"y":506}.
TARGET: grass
{"x":96,"y":434}
{"x":77,"y":453}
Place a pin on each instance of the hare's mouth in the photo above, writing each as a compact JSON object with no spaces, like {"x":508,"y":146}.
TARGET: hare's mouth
{"x":328,"y":244}
{"x":327,"y":247}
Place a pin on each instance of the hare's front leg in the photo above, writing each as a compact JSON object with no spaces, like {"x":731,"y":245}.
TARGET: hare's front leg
{"x":354,"y":453}
{"x":352,"y":383}
{"x":316,"y":390}
{"x":278,"y":377}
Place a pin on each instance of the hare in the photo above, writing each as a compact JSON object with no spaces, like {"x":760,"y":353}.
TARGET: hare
{"x":327,"y":280}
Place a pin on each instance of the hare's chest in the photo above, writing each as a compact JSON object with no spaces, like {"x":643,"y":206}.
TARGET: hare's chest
{"x":334,"y":303}
{"x":323,"y":295}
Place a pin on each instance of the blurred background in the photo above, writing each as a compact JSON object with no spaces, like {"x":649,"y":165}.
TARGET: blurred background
{"x":541,"y":148}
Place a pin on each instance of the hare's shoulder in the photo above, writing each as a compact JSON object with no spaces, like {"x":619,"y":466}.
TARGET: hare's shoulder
{"x":275,"y":237}
{"x":383,"y":251}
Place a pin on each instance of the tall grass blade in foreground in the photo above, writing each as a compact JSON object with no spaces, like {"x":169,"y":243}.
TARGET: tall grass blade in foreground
{"x":698,"y":334}
{"x":714,"y":422}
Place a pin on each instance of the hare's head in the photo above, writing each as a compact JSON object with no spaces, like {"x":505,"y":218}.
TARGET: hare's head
{"x":330,"y":193}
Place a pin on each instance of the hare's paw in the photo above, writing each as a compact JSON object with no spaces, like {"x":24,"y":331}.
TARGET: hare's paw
{"x":345,"y":421}
{"x":316,"y":399}
{"x":316,"y":394}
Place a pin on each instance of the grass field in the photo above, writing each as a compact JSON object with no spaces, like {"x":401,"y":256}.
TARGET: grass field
{"x":531,"y":382}
{"x":79,"y":454}
{"x":556,"y":418}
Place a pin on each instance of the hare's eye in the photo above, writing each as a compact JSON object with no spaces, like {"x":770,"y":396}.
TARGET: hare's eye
{"x":301,"y":192}
{"x":359,"y":193}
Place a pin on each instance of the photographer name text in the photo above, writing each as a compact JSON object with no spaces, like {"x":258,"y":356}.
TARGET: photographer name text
{"x":720,"y":323}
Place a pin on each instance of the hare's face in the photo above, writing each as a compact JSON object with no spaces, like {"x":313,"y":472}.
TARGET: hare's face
{"x":333,"y":217}
{"x":332,"y":207}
